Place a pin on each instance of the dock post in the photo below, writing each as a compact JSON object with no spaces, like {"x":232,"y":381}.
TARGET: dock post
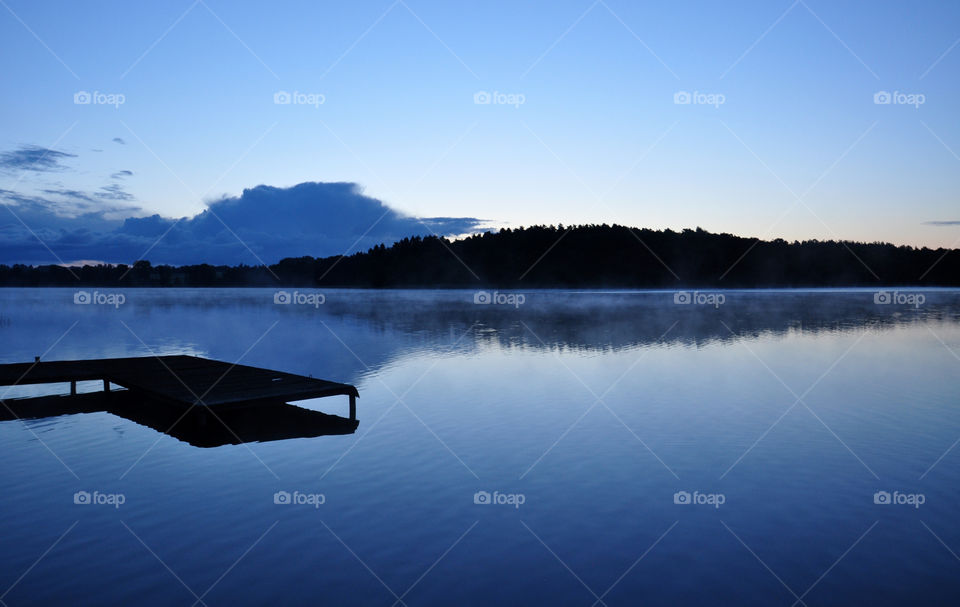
{"x":353,"y":407}
{"x":73,"y":388}
{"x":106,"y":385}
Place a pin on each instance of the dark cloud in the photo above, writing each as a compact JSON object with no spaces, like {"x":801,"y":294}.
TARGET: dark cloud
{"x":33,"y":158}
{"x":34,"y":221}
{"x":121,"y":174}
{"x":120,"y":141}
{"x":263,"y":223}
{"x":942,"y":223}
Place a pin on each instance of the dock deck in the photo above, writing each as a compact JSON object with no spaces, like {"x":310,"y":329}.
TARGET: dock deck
{"x":182,"y":380}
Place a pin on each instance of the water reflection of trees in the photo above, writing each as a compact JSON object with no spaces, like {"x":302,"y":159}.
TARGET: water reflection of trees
{"x":611,"y":322}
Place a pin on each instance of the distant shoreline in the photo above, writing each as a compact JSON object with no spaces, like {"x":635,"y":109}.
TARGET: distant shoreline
{"x":555,"y":290}
{"x":547,"y":257}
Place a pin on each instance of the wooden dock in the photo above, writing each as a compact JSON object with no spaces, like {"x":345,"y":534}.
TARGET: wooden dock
{"x":187,"y":381}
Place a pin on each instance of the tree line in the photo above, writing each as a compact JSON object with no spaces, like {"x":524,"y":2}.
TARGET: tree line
{"x":583,"y":256}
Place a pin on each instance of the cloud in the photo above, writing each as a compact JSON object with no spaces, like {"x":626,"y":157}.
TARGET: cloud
{"x":451,"y":226}
{"x":121,"y":174}
{"x":61,"y":207}
{"x":114,"y":191}
{"x":59,"y":220}
{"x":942,"y":223}
{"x":71,"y":194}
{"x":263,"y":223}
{"x":119,"y":140}
{"x":33,"y":158}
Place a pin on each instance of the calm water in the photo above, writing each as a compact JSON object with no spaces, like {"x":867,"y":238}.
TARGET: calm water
{"x":784,"y":412}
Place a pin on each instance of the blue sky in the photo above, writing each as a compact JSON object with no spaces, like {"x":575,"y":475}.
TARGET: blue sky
{"x":782,"y":138}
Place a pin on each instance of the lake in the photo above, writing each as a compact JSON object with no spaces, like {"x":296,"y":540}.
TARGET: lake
{"x":547,"y":447}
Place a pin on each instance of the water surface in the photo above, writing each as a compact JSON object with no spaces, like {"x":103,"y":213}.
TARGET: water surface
{"x":596,"y":410}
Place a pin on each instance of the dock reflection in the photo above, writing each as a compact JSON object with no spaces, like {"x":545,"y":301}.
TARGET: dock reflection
{"x":198,"y":426}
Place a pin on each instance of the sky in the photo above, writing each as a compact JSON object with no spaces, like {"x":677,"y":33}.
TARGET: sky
{"x":795,"y":120}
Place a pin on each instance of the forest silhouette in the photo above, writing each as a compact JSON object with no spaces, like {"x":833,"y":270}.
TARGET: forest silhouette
{"x":585,"y":256}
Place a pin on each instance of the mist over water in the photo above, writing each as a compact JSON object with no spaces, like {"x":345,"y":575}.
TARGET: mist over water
{"x":663,"y":449}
